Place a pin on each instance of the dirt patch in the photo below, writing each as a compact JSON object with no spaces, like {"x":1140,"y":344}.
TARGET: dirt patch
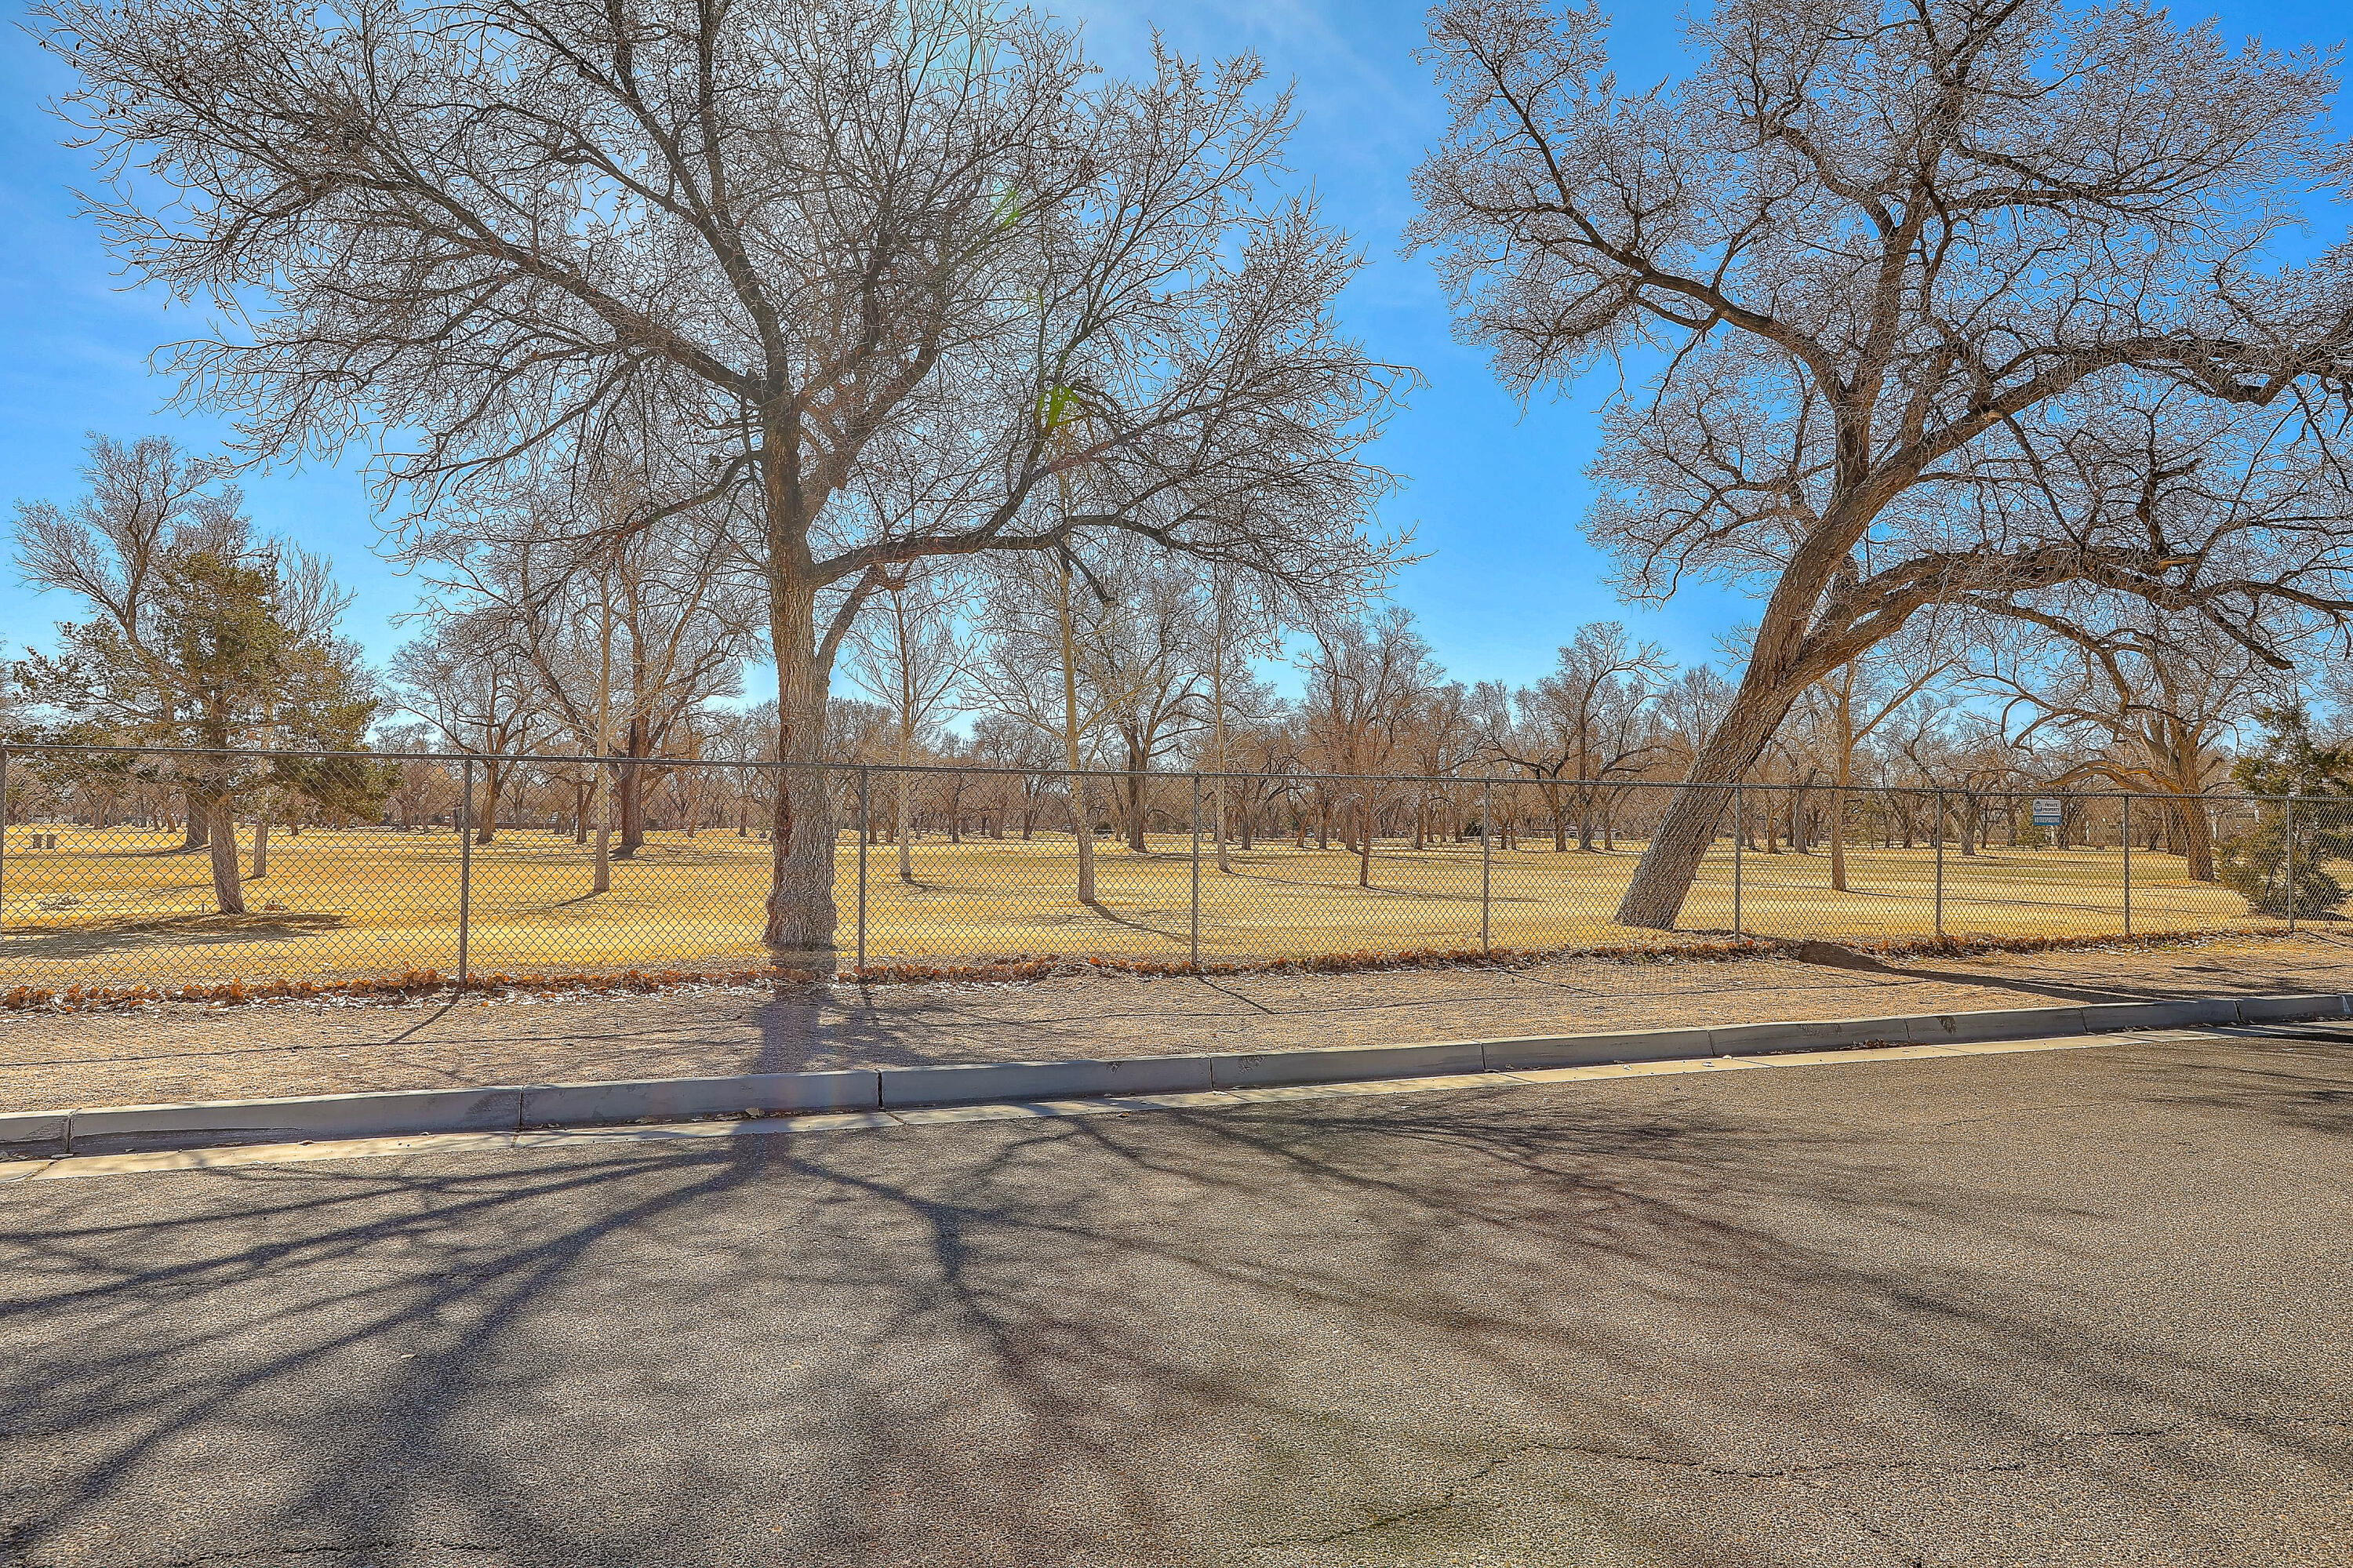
{"x":180,"y":1052}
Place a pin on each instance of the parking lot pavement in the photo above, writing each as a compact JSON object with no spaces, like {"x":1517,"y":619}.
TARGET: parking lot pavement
{"x":2089,"y":1306}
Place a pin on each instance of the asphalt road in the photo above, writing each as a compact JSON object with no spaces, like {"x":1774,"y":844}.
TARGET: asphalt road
{"x":2087,"y":1306}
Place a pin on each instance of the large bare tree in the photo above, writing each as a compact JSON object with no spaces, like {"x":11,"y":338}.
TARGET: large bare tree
{"x":1857,"y":258}
{"x":800,"y":228}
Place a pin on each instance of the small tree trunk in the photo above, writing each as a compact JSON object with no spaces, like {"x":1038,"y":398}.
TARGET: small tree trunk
{"x":630,"y":788}
{"x":603,"y":880}
{"x":1837,"y":839}
{"x":903,"y":822}
{"x":1085,"y":830}
{"x":261,"y":842}
{"x":486,"y":827}
{"x":220,"y":832}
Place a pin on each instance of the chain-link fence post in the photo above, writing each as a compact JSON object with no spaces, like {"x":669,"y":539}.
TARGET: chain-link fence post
{"x":2127,"y":878}
{"x":1487,"y":867}
{"x":1196,"y":872}
{"x":865,"y":832}
{"x":1940,"y":863}
{"x":465,"y":873}
{"x":2288,"y":862}
{"x":3,"y":838}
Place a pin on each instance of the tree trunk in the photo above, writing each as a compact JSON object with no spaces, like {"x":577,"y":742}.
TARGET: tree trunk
{"x":1662,"y":878}
{"x":199,"y":822}
{"x":486,"y":827}
{"x":631,"y":790}
{"x":601,"y":880}
{"x":903,"y":820}
{"x":1365,"y":848}
{"x":800,"y":915}
{"x":1080,"y":812}
{"x":2197,"y":838}
{"x":220,"y":832}
{"x":261,"y":842}
{"x":1837,"y":839}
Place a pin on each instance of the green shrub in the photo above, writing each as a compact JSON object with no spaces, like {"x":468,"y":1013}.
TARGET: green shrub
{"x":2259,"y":864}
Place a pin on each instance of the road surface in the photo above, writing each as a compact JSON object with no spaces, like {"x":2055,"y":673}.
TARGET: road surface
{"x":2087,"y":1306}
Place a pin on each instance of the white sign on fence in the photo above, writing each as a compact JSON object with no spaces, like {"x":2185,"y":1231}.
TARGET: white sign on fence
{"x":2046,"y":813}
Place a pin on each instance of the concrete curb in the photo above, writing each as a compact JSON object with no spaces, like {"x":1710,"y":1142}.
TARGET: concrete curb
{"x":121,"y":1129}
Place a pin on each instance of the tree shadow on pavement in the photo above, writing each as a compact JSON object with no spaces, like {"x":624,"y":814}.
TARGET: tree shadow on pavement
{"x":1286,"y":1332}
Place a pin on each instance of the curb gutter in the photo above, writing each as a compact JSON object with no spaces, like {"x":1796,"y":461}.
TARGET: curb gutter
{"x":112,"y":1129}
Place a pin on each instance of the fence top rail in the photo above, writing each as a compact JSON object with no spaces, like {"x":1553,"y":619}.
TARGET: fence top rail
{"x":1612,"y":783}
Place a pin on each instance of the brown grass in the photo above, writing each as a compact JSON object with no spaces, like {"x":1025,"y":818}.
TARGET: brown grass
{"x":119,"y":910}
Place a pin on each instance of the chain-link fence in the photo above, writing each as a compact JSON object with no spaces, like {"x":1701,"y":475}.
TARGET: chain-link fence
{"x":120,"y":868}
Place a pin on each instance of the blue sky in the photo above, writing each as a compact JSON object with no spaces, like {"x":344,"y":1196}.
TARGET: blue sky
{"x":1493,"y":492}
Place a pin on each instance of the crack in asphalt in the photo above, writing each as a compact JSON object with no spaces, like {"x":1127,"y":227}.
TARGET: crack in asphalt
{"x":1456,"y":1492}
{"x":261,"y":1553}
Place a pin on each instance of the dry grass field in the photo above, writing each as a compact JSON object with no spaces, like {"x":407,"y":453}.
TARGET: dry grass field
{"x":121,"y":909}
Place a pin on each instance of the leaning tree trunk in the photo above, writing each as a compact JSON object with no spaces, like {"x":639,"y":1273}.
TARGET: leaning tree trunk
{"x":1662,"y":878}
{"x":220,"y":830}
{"x":800,"y":923}
{"x":199,"y":821}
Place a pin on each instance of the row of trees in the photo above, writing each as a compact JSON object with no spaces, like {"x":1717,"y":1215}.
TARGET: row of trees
{"x":1931,"y":314}
{"x":1126,"y":660}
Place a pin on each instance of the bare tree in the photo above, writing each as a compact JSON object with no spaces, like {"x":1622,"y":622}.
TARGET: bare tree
{"x":465,"y":678}
{"x":907,"y":653}
{"x":2153,"y":703}
{"x":1851,"y":703}
{"x":1146,"y":648}
{"x":808,"y":229}
{"x":1366,"y":679}
{"x":1245,"y":621}
{"x":1879,"y":243}
{"x":1033,"y":668}
{"x":626,"y":641}
{"x":1574,"y":728}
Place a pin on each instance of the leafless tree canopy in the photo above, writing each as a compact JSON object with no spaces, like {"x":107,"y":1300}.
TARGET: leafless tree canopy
{"x":822,"y":237}
{"x":1876,"y":265}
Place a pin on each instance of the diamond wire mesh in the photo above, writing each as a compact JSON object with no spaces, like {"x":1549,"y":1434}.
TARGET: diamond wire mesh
{"x":103,"y":882}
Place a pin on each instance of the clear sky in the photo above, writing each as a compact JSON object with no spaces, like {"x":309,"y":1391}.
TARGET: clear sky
{"x":1493,"y":492}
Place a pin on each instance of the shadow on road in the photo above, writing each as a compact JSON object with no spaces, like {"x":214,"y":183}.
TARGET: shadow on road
{"x":1172,"y":1336}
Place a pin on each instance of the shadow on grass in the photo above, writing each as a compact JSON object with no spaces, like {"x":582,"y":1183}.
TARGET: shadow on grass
{"x":1168,"y":1337}
{"x":135,"y":933}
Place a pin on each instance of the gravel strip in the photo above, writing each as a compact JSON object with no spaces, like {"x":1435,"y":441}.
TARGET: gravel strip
{"x":178,"y":1052}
